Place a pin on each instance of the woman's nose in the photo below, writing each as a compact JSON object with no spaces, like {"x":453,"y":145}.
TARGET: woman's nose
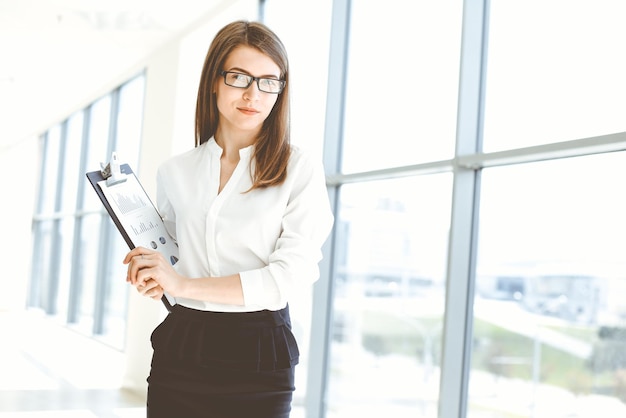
{"x":252,"y":92}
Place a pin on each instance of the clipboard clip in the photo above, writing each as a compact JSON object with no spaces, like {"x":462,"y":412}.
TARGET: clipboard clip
{"x":112,"y":172}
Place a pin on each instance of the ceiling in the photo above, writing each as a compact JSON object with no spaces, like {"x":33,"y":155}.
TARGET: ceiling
{"x":56,"y":55}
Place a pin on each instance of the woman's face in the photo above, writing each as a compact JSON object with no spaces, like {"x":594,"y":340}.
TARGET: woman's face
{"x":243,"y":110}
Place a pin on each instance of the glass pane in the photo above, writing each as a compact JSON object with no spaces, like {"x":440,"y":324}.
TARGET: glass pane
{"x":71,"y":176}
{"x":549,"y":310}
{"x":308,"y":58}
{"x":65,"y":241}
{"x":555,"y":71}
{"x":389,"y":298}
{"x":88,"y":269}
{"x":39,"y":289}
{"x":116,"y":292}
{"x":401,"y":92}
{"x":129,"y":122}
{"x":43,"y":289}
{"x":97,"y":146}
{"x":48,"y":188}
{"x":70,"y":173}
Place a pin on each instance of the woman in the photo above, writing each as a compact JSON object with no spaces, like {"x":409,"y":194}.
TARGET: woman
{"x":250,"y":213}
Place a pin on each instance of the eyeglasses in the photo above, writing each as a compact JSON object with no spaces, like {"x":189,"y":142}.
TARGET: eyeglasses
{"x":243,"y":81}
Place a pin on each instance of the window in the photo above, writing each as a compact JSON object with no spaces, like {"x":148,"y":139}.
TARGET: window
{"x":552,"y":342}
{"x":554,"y":73}
{"x":389,"y":288}
{"x":77,"y":266}
{"x":42,"y":289}
{"x":401,"y":83}
{"x":515,"y":112}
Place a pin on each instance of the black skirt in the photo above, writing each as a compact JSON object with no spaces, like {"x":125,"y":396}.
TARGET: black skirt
{"x":222,"y":365}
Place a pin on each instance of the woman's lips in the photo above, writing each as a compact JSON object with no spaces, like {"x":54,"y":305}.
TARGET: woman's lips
{"x":248,"y":110}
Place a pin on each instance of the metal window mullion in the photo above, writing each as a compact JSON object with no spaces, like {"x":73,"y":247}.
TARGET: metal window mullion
{"x":34,"y":289}
{"x":421,"y":169}
{"x":261,"y":11}
{"x":77,"y":276}
{"x":322,"y":306}
{"x":57,"y":245}
{"x":550,"y":151}
{"x":457,"y":332}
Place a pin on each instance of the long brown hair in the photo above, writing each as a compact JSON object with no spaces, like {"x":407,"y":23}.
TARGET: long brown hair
{"x":272,"y":146}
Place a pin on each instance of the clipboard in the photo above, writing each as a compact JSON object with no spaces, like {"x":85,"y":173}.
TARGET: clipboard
{"x":133,"y":213}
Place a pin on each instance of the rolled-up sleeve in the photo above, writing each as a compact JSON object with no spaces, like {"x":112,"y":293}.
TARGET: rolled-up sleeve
{"x":306,"y":224}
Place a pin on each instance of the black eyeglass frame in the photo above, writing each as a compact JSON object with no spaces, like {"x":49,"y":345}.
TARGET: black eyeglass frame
{"x":224,"y":73}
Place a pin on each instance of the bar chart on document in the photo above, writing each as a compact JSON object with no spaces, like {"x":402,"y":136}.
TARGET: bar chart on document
{"x":139,"y":217}
{"x":137,"y":210}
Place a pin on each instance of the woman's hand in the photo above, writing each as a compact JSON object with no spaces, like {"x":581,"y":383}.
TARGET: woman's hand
{"x":151,"y":273}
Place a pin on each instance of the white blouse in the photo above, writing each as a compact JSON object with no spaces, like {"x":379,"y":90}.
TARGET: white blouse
{"x":272,"y":237}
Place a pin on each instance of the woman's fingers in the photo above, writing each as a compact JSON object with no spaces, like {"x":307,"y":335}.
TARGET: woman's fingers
{"x":151,"y":289}
{"x":139,"y":253}
{"x":139,"y":259}
{"x":147,"y":287}
{"x":143,"y":266}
